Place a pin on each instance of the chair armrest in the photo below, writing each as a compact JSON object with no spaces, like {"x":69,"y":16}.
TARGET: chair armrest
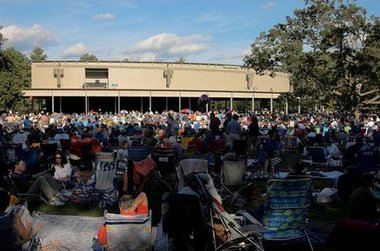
{"x":249,"y":217}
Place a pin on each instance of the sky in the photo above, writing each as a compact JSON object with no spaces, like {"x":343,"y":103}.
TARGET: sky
{"x":201,"y":31}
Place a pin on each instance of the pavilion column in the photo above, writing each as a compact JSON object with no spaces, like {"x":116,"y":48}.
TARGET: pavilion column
{"x":190,"y":103}
{"x":118,"y":102}
{"x":60,"y":104}
{"x":271,"y":100}
{"x":141,"y":104}
{"x":85,"y":102}
{"x":150,"y":101}
{"x":166,"y":104}
{"x":231,"y":101}
{"x":52,"y":101}
{"x":115,"y":104}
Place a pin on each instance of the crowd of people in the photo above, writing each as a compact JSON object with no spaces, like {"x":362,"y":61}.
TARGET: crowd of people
{"x":262,"y":136}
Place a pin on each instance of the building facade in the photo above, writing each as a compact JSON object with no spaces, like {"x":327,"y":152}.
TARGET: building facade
{"x":75,"y":86}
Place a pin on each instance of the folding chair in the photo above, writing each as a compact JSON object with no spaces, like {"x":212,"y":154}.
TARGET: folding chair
{"x":31,"y":159}
{"x":65,"y":145}
{"x":101,"y":192}
{"x":233,"y":173}
{"x":48,"y":151}
{"x":165,"y":159}
{"x":367,"y":161}
{"x":317,"y":156}
{"x":292,"y":144}
{"x":10,"y":153}
{"x":24,"y":196}
{"x":286,"y":209}
{"x":129,"y":232}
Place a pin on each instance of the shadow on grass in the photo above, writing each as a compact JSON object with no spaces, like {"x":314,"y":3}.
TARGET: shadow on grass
{"x":68,"y":209}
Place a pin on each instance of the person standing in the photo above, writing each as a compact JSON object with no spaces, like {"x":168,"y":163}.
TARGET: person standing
{"x":253,"y":134}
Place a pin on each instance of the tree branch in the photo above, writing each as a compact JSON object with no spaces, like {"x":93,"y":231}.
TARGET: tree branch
{"x":362,"y":94}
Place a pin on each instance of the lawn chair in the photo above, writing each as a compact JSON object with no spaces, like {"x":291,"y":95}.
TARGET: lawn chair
{"x":99,"y":190}
{"x":129,"y":232}
{"x":165,"y":159}
{"x":10,"y":155}
{"x":286,"y":209}
{"x":292,"y":144}
{"x":24,"y":196}
{"x":31,"y":159}
{"x":201,"y":206}
{"x":48,"y":151}
{"x":232,"y":180}
{"x":187,"y":146}
{"x":65,"y":145}
{"x":367,"y":161}
{"x":317,"y":156}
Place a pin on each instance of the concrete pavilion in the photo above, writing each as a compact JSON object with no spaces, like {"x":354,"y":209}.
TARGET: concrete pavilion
{"x":76,"y":86}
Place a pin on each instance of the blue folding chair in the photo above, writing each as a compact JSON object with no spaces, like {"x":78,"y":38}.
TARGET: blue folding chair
{"x":286,"y":209}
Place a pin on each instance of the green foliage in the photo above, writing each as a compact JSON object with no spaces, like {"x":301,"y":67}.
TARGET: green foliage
{"x":88,"y":57}
{"x":331,"y":50}
{"x":38,"y":54}
{"x":14,"y":76}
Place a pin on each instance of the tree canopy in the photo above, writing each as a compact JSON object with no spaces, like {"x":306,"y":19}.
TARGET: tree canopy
{"x":38,"y":54}
{"x":88,"y":57}
{"x":330,"y":49}
{"x":14,"y":76}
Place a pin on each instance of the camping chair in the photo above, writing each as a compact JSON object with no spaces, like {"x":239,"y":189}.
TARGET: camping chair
{"x":188,"y":146}
{"x":232,"y":175}
{"x":367,"y":161}
{"x":31,"y":159}
{"x":48,"y":151}
{"x":23,"y":196}
{"x":182,"y":217}
{"x":286,"y":209}
{"x":240,"y":146}
{"x":129,"y":232}
{"x":292,"y":144}
{"x":317,"y":156}
{"x":65,"y":145}
{"x":99,"y":190}
{"x":165,"y":159}
{"x":10,"y":153}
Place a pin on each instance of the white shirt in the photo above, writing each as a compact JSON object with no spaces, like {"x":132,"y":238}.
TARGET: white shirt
{"x":62,"y":172}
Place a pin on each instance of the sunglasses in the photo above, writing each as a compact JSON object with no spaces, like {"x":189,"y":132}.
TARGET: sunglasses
{"x":58,"y":157}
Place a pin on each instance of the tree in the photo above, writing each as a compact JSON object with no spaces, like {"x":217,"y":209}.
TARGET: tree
{"x":330,"y":50}
{"x":14,"y":76}
{"x":88,"y":57}
{"x":38,"y":54}
{"x":181,"y":60}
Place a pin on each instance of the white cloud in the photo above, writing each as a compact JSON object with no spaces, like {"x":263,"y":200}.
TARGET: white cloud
{"x":75,"y":51}
{"x":167,"y":46}
{"x":269,"y":5}
{"x":105,"y":16}
{"x":27,"y":38}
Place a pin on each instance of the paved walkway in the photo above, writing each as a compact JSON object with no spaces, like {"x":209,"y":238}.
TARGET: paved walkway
{"x":73,"y":232}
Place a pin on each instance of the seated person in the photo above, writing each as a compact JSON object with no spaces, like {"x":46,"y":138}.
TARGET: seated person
{"x":363,"y":204}
{"x":31,"y":184}
{"x":128,"y":207}
{"x":62,"y":171}
{"x":348,"y":182}
{"x":13,"y":230}
{"x":122,"y":162}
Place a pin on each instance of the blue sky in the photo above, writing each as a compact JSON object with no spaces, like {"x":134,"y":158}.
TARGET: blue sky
{"x":205,"y":31}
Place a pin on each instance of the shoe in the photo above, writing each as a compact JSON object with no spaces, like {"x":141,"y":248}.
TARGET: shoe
{"x":56,"y":202}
